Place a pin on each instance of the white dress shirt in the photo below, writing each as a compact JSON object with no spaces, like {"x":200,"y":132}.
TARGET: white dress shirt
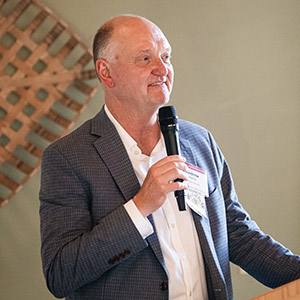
{"x":176,"y":230}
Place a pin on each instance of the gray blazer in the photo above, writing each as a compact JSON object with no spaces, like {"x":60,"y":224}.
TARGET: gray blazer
{"x":91,"y":248}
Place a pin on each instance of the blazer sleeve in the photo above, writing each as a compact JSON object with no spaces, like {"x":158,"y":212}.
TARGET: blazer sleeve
{"x":75,"y":251}
{"x":256,"y":252}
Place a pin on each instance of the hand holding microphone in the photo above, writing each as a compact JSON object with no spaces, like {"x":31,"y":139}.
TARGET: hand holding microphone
{"x":168,"y":174}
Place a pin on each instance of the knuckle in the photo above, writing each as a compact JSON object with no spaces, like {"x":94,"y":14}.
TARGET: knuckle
{"x":178,"y":173}
{"x":175,"y":164}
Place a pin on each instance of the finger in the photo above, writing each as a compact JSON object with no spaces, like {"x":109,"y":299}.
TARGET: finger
{"x":165,"y":181}
{"x":171,"y":168}
{"x":175,"y":174}
{"x":177,"y":186}
{"x":166,"y":165}
{"x":168,"y":159}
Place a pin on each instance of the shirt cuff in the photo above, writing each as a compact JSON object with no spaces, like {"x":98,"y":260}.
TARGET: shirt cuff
{"x":142,"y":224}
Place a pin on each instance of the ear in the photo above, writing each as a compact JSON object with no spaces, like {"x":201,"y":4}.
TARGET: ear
{"x":103,"y":71}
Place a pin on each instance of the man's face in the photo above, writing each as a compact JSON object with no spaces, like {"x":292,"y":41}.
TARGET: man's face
{"x":141,"y":70}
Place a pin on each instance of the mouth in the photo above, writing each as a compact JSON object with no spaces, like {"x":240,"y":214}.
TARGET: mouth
{"x":157,"y":83}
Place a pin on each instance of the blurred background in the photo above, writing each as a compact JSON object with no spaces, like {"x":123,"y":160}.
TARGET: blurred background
{"x":237,"y":73}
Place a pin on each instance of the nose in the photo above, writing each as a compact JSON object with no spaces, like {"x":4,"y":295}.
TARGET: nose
{"x":160,"y":68}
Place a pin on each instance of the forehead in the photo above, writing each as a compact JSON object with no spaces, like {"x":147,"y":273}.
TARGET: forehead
{"x":140,"y":35}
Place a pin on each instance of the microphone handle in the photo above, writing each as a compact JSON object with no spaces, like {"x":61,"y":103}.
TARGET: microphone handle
{"x":171,"y":141}
{"x":179,"y":195}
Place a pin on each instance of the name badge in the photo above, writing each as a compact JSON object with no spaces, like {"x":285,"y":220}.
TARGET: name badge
{"x":198,"y":189}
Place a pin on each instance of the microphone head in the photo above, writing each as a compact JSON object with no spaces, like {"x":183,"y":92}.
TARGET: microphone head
{"x":167,"y":115}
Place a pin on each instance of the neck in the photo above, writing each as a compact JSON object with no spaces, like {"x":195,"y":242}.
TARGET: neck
{"x":142,"y":126}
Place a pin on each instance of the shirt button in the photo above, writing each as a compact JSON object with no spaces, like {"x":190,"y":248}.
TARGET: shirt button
{"x":173,"y":225}
{"x":136,"y":152}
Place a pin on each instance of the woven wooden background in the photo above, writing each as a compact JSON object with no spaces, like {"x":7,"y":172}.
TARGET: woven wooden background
{"x":46,"y":80}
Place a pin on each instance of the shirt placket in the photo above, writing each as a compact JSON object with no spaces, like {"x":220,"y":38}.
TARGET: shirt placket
{"x":176,"y":241}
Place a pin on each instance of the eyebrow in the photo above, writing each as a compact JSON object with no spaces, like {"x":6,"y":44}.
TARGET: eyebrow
{"x":168,"y":49}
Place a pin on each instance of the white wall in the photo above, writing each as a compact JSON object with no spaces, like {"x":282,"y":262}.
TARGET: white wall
{"x":237,"y":72}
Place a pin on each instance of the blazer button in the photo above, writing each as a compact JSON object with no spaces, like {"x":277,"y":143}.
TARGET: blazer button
{"x":164,"y":286}
{"x":127,"y":251}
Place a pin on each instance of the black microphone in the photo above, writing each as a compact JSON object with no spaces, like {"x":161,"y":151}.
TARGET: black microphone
{"x":168,"y":121}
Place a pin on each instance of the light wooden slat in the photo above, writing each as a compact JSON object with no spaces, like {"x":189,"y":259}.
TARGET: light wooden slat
{"x":16,"y":12}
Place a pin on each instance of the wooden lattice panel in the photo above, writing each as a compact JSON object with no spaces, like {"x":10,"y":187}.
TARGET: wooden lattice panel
{"x":46,"y":80}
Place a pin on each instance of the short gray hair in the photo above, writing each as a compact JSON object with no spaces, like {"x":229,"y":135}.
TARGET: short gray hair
{"x":103,"y":45}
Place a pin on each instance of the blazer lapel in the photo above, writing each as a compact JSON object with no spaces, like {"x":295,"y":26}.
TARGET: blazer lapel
{"x":112,"y":151}
{"x":204,"y":230}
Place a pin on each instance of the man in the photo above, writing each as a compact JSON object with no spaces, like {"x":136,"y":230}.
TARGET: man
{"x":110,"y":224}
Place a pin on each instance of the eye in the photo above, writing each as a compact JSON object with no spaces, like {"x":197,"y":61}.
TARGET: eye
{"x":143,"y":60}
{"x":167,"y":58}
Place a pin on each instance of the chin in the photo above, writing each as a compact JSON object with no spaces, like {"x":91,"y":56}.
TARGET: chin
{"x":158,"y":100}
{"x":163,"y":99}
{"x":166,"y":101}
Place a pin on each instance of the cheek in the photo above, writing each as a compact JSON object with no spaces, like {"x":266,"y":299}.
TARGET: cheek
{"x":171,"y":73}
{"x":171,"y":79}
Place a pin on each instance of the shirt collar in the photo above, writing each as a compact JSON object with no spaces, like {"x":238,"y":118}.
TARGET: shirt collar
{"x":129,"y":143}
{"x":127,"y":140}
